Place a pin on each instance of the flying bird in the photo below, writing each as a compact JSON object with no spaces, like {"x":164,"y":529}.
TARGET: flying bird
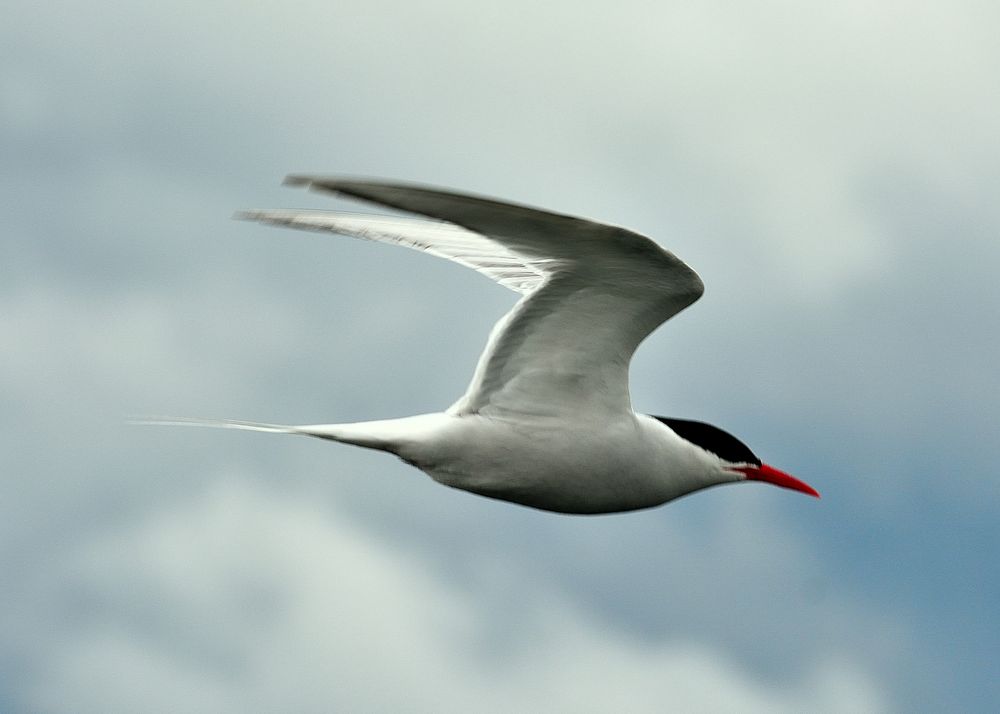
{"x":546,"y":421}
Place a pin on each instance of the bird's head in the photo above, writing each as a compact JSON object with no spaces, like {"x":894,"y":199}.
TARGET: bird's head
{"x":737,"y":461}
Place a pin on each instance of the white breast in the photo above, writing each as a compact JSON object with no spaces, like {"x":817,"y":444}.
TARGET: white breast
{"x":571,"y":466}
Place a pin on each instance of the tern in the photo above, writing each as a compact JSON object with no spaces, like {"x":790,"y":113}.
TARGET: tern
{"x":547,"y":420}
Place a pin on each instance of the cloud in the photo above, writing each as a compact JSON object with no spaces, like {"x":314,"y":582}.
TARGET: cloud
{"x":245,"y":599}
{"x":828,"y":170}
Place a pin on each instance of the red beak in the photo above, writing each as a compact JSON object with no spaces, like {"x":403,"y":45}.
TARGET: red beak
{"x":778,"y":478}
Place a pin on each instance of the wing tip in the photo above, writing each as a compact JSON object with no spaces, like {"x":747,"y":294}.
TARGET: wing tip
{"x":250,"y":214}
{"x":280,"y":216}
{"x":351,"y":187}
{"x":298,"y":180}
{"x":331,"y":183}
{"x":338,"y":185}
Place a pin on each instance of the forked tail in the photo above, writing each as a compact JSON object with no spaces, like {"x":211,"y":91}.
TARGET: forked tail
{"x":388,"y":435}
{"x":218,"y":424}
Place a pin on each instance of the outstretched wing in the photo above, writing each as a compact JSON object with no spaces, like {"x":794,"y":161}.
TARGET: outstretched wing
{"x":444,"y":240}
{"x":592,"y":291}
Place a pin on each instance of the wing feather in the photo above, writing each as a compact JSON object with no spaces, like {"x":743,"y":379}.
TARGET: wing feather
{"x":444,"y":240}
{"x":591,"y":291}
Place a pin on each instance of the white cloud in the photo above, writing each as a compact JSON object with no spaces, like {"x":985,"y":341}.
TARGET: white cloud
{"x":246,"y":600}
{"x":753,"y":140}
{"x":770,"y":119}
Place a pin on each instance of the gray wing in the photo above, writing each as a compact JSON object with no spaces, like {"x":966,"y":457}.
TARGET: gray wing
{"x":592,"y":291}
{"x":444,"y":240}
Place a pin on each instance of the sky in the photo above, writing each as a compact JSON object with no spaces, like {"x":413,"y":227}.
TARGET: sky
{"x":829,"y":169}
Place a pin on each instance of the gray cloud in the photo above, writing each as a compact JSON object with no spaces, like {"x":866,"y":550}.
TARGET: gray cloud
{"x":827,"y":170}
{"x":245,"y":599}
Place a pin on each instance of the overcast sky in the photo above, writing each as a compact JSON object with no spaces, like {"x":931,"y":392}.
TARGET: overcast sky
{"x":831,"y":171}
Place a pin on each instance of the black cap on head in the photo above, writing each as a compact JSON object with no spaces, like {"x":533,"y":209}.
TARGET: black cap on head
{"x":713,"y":439}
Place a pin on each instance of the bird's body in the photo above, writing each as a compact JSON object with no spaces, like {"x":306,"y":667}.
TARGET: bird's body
{"x":574,"y":465}
{"x":547,"y":421}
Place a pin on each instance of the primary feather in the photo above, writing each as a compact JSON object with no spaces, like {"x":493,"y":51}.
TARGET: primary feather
{"x":591,"y":291}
